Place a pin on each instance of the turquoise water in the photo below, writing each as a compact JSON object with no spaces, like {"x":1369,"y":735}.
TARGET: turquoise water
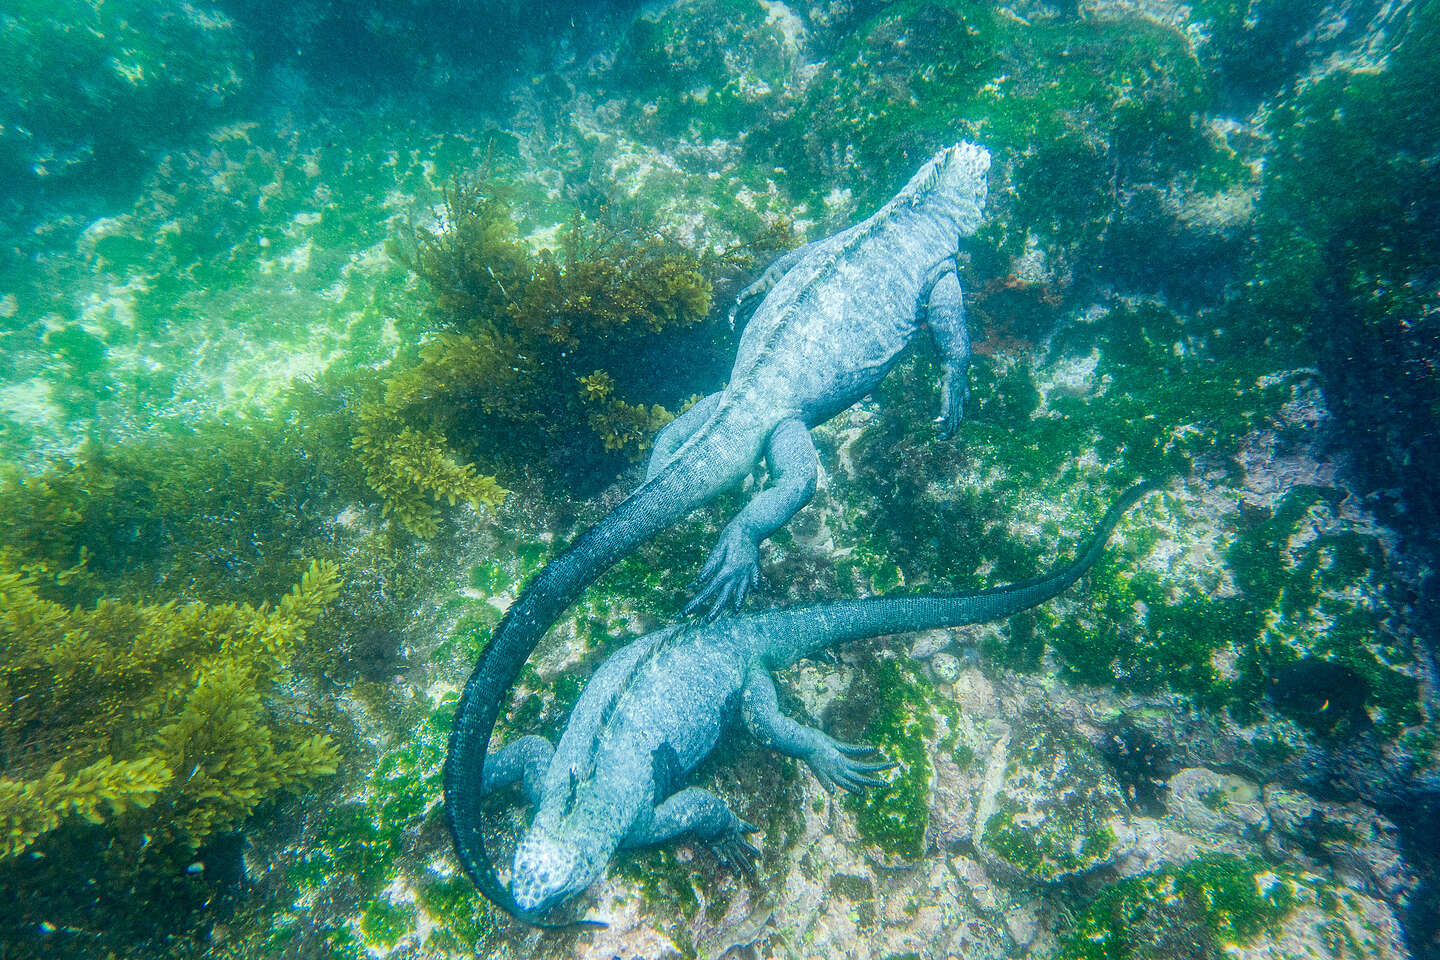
{"x":323,"y":329}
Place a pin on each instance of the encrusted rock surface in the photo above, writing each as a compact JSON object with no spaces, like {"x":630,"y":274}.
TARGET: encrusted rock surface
{"x":1048,"y":808}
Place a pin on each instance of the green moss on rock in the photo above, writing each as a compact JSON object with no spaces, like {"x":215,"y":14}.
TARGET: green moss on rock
{"x":1306,"y":631}
{"x":1203,"y":910}
{"x":894,"y":817}
{"x":463,"y":921}
{"x":1049,"y":808}
{"x":383,"y":923}
{"x":1221,"y":906}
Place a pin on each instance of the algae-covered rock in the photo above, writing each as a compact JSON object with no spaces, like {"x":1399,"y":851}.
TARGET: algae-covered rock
{"x":1213,"y":802}
{"x":1231,"y":907}
{"x":902,"y":727}
{"x":1049,"y":808}
{"x":1360,"y":845}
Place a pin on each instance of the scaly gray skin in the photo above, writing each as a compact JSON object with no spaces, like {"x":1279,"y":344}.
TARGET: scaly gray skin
{"x":835,"y":317}
{"x":656,"y":708}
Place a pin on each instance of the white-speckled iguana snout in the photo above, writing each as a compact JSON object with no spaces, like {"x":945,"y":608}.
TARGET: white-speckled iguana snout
{"x":547,"y":870}
{"x":962,"y":170}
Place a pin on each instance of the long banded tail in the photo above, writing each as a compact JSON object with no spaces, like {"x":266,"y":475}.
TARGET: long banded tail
{"x":815,"y":628}
{"x":657,"y":503}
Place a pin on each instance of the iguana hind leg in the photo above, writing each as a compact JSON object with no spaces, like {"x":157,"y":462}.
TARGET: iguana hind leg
{"x":525,"y":760}
{"x":677,"y":431}
{"x":733,"y":567}
{"x":945,"y":316}
{"x":834,"y":763}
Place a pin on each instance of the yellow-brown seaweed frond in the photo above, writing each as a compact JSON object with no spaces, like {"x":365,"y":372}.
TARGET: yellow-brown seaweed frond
{"x":605,"y":283}
{"x":598,"y":386}
{"x":628,"y":427}
{"x":473,"y":258}
{"x":515,"y":331}
{"x":149,"y":717}
{"x":98,"y":791}
{"x":413,"y":470}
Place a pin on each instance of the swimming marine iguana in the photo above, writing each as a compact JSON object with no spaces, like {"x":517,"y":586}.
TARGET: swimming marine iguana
{"x":835,"y":317}
{"x":656,"y":708}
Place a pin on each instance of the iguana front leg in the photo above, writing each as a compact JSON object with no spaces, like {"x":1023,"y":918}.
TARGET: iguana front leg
{"x":832,"y":761}
{"x":945,"y":316}
{"x":526,"y":759}
{"x":705,"y":817}
{"x":733,"y":567}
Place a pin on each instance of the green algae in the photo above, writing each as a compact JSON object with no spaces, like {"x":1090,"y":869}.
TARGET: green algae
{"x":383,"y":923}
{"x":1215,"y":799}
{"x":703,"y":70}
{"x":1202,"y":907}
{"x":1345,"y":231}
{"x":1081,"y":107}
{"x":1174,"y":392}
{"x":889,"y":88}
{"x":663,"y":879}
{"x":363,"y":840}
{"x":1293,"y":607}
{"x":368,"y":845}
{"x":1018,"y":646}
{"x":1253,"y":46}
{"x":1052,"y":815}
{"x":894,"y":817}
{"x":1042,"y":853}
{"x":117,"y":77}
{"x":465,"y":922}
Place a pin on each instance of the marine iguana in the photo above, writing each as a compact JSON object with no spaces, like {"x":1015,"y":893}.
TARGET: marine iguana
{"x":835,"y":317}
{"x":656,"y":708}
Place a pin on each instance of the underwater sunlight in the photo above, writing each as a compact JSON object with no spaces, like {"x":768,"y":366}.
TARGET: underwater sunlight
{"x":892,"y":479}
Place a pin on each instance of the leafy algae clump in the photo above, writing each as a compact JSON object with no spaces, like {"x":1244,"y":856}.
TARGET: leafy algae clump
{"x":157,"y":707}
{"x":220,"y":510}
{"x":411,"y":469}
{"x":1202,"y":910}
{"x":532,"y":356}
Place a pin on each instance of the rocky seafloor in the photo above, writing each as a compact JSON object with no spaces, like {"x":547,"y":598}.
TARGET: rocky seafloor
{"x":1204,"y":262}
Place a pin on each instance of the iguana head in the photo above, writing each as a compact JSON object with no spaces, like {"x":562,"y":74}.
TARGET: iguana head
{"x":957,"y":173}
{"x":548,"y":870}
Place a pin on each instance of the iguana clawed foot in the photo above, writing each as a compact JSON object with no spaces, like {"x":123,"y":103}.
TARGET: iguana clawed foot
{"x":954,"y":392}
{"x":734,"y":851}
{"x":835,"y":765}
{"x":732,"y":568}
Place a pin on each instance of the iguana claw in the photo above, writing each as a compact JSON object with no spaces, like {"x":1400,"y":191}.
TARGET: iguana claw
{"x":731,"y":570}
{"x":835,"y":766}
{"x":734,"y":851}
